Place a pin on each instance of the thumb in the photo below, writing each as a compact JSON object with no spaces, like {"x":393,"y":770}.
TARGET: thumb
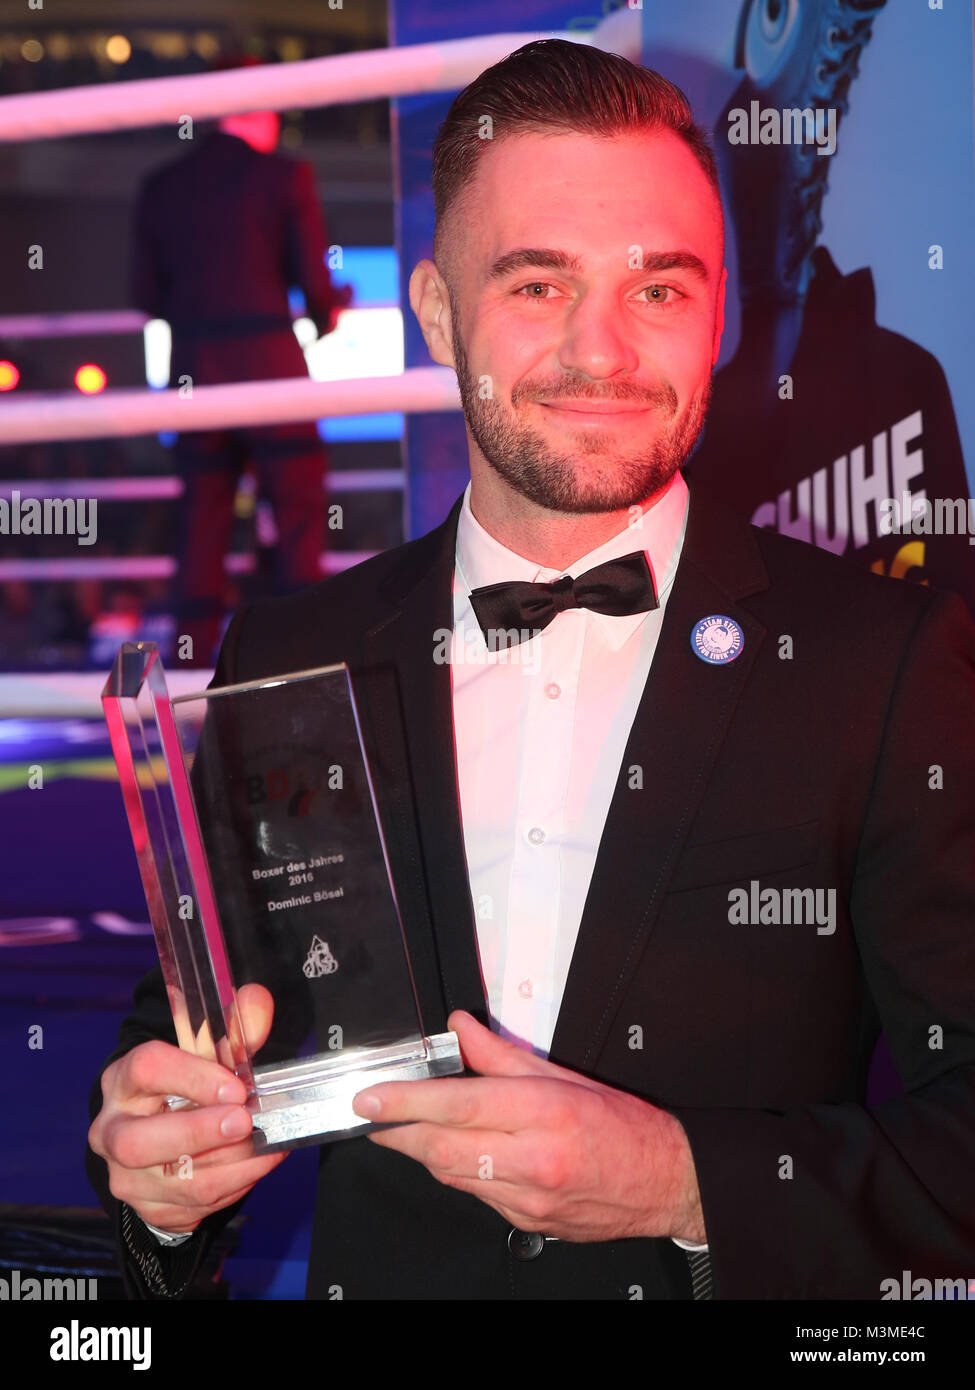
{"x":490,"y":1055}
{"x":255,"y":1005}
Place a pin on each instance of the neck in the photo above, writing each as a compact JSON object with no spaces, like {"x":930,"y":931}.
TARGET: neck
{"x":553,"y":540}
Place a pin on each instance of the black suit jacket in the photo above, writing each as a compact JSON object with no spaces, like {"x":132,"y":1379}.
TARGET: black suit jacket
{"x":219,"y":236}
{"x":809,"y":770}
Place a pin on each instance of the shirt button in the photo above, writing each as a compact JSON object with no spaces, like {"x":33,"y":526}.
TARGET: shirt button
{"x":553,"y":691}
{"x":536,"y":835}
{"x":526,"y":989}
{"x":525,"y":1245}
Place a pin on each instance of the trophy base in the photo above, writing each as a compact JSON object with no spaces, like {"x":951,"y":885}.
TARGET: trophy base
{"x":289,"y":1111}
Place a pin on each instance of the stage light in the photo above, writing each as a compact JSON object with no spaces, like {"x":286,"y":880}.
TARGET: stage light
{"x":290,"y":50}
{"x":32,"y":51}
{"x":157,"y":341}
{"x":206,"y":46}
{"x":9,"y":376}
{"x":90,"y":379}
{"x":118,"y":49}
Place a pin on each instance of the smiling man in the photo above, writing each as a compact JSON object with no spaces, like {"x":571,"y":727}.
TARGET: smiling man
{"x":662,"y":1102}
{"x":598,"y":371}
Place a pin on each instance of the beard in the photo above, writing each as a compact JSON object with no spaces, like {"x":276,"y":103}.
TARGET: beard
{"x":562,"y":480}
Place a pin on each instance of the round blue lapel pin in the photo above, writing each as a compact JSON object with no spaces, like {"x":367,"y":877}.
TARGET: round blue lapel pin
{"x":717,"y":639}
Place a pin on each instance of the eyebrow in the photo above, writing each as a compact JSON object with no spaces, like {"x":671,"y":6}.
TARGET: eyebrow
{"x":547,"y":259}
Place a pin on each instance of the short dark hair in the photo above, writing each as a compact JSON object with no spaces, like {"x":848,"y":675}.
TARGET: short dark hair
{"x":552,"y":86}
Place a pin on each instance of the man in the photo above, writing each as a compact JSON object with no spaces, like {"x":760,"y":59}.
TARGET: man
{"x":571,"y":830}
{"x":220,"y":236}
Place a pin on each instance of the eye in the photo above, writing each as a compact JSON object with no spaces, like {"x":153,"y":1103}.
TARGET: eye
{"x":535,"y":285}
{"x":656,"y":290}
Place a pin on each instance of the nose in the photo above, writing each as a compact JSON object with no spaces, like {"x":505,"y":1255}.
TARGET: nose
{"x":597,"y":338}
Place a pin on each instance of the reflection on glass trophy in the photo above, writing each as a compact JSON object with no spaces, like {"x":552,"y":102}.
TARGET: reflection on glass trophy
{"x":259,"y":843}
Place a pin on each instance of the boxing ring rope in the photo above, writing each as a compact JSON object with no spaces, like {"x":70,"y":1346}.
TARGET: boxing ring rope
{"x":86,"y":323}
{"x":46,"y":416}
{"x":341,"y":78}
{"x":70,"y":567}
{"x":165,"y":486}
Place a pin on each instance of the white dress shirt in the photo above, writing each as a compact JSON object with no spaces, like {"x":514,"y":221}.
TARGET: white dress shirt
{"x":540,"y":730}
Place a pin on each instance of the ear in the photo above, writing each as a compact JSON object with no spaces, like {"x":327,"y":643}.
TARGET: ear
{"x":719,"y":316}
{"x":430,"y":302}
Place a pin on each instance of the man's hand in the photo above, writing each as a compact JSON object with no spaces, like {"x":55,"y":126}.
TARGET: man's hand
{"x":550,"y":1150}
{"x":176,"y":1167}
{"x":342,"y":300}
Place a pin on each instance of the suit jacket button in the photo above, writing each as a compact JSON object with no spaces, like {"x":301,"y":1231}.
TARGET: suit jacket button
{"x":525,"y":1245}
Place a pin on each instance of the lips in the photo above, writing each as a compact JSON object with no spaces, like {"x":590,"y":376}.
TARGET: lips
{"x":607,"y":408}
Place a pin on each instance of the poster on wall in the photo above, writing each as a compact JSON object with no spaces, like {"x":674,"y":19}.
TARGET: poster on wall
{"x":841,"y":410}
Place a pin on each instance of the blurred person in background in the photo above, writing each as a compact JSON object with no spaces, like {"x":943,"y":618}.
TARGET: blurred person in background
{"x":220,"y":236}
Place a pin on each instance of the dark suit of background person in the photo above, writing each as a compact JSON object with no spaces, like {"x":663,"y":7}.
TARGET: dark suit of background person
{"x":220,"y":235}
{"x":804,"y":773}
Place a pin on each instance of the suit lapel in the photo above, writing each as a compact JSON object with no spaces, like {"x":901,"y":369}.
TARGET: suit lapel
{"x":408,"y":693}
{"x":676,"y":735}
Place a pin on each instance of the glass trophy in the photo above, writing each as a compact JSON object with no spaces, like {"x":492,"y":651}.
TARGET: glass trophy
{"x":261,"y":852}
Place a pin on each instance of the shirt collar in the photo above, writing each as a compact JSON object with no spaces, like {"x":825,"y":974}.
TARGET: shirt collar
{"x":482,"y":560}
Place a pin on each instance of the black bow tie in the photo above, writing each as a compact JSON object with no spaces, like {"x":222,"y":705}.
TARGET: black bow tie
{"x":618,"y":587}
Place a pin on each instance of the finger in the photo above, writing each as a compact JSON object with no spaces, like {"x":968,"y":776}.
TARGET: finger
{"x":518,"y":1207}
{"x":194,"y":1194}
{"x":249,"y":1019}
{"x":203,"y":1043}
{"x":220,"y":1157}
{"x":490,"y":1055}
{"x":511,"y":1173}
{"x":145,"y":1141}
{"x":253,"y":1013}
{"x":506,"y":1104}
{"x":185,"y":1036}
{"x":156,"y":1069}
{"x":255,"y":1005}
{"x":182,"y":1219}
{"x":481,"y":1155}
